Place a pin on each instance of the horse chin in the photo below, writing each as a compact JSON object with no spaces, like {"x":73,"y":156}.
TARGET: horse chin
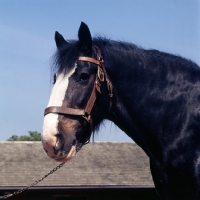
{"x":68,"y":156}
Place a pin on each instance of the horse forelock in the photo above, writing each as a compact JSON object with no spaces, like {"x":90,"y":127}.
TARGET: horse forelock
{"x":65,"y":57}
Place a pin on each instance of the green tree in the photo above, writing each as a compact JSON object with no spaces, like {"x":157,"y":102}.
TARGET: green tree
{"x":33,"y":136}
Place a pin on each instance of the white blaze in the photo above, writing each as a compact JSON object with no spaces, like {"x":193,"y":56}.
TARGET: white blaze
{"x":56,"y":99}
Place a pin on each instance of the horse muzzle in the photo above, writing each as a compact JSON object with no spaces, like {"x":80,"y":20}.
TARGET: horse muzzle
{"x":56,"y":149}
{"x":63,"y":136}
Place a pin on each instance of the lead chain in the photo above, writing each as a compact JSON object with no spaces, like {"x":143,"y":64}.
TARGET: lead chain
{"x":34,"y":183}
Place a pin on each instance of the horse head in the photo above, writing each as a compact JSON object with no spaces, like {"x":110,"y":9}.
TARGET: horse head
{"x":80,"y":97}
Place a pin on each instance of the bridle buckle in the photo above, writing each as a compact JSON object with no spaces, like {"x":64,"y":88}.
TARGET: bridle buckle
{"x":100,"y":74}
{"x":87,"y":118}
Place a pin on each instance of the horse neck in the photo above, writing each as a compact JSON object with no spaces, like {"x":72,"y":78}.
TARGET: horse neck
{"x":142,"y":102}
{"x":126,"y":70}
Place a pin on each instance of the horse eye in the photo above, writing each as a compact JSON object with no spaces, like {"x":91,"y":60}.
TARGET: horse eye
{"x":84,"y":77}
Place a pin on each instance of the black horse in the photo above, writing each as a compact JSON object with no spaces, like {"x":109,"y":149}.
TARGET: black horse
{"x":154,"y":97}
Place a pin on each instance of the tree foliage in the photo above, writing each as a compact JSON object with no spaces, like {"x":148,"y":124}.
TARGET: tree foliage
{"x":33,"y":136}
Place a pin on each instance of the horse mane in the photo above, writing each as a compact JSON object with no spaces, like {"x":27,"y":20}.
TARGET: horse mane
{"x":124,"y":48}
{"x":65,"y":56}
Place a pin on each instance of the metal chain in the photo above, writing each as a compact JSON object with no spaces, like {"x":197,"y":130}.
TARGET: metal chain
{"x":34,"y":183}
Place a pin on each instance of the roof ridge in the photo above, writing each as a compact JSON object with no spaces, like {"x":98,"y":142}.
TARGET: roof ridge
{"x":91,"y":142}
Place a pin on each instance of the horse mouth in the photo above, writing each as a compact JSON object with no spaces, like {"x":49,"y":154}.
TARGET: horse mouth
{"x":64,"y":157}
{"x":67,"y":156}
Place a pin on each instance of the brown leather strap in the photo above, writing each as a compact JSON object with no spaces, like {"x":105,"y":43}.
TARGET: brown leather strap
{"x":109,"y":84}
{"x":91,"y":101}
{"x":63,"y":110}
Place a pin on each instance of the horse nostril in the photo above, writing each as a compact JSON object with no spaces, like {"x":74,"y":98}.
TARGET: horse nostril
{"x":59,"y":143}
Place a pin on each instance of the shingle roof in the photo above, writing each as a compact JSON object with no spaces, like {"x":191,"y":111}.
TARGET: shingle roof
{"x":98,"y":163}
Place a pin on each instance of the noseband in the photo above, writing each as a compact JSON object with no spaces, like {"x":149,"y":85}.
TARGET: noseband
{"x":101,"y":76}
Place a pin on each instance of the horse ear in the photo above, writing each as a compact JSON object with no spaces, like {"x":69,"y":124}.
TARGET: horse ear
{"x":85,"y":39}
{"x":59,"y":39}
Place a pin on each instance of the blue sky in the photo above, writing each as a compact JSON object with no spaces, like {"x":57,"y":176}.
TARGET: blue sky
{"x":27,"y":44}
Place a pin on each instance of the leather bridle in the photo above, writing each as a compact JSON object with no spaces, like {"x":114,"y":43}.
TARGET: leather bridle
{"x":101,"y":76}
